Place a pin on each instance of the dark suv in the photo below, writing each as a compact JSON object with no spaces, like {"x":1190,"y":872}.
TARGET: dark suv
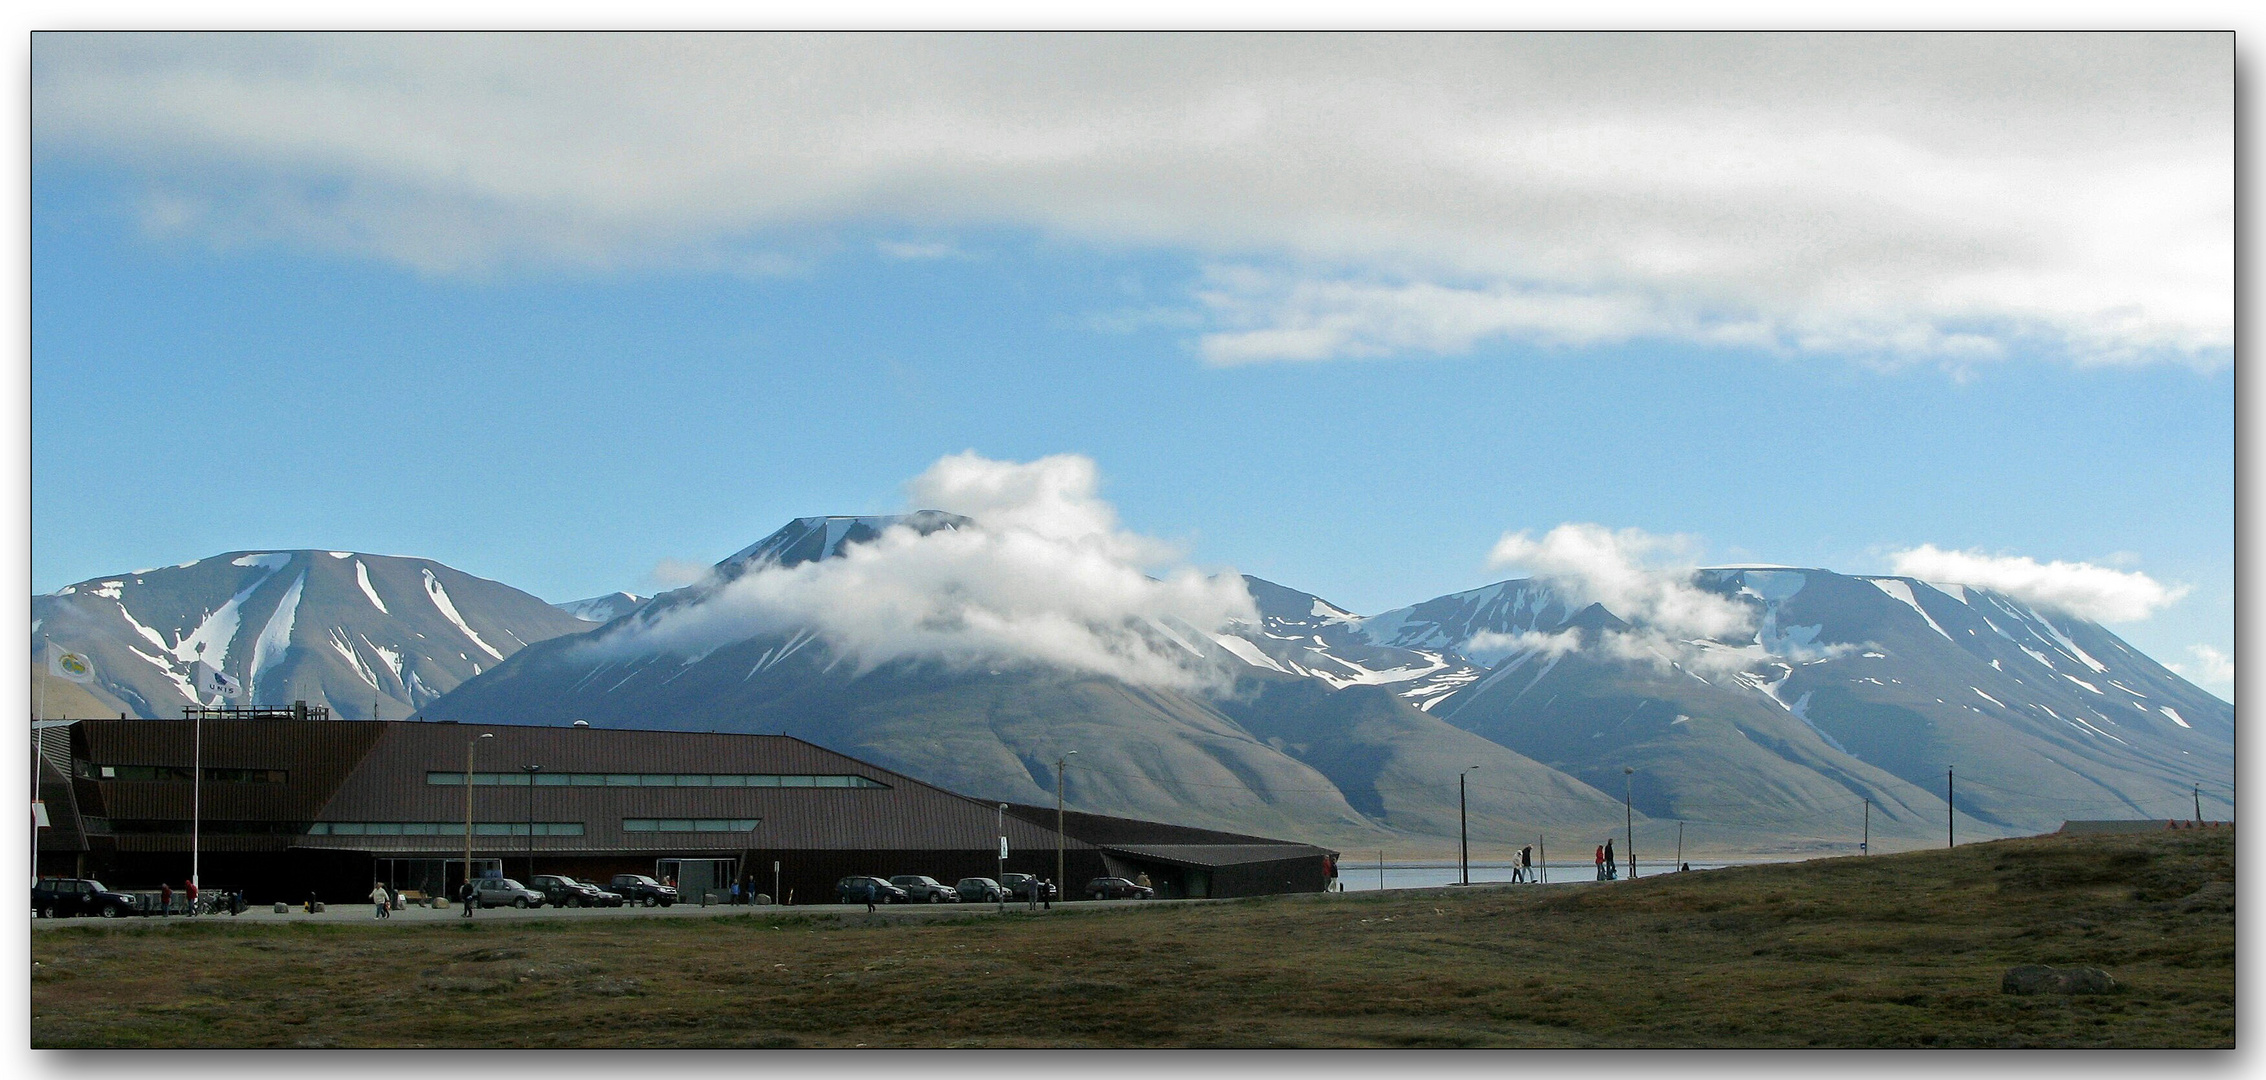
{"x":926,"y":889}
{"x":1117,"y":888}
{"x":639,"y":889}
{"x":560,"y":890}
{"x":861,"y":889}
{"x":55,"y":898}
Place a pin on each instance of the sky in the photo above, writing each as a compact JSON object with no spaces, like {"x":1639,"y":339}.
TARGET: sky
{"x":1341,"y":312}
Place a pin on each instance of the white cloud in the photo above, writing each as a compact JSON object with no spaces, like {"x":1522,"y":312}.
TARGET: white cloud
{"x":1897,"y":196}
{"x":1641,"y":577}
{"x":1490,"y":646}
{"x":2212,"y":670}
{"x":2078,"y":588}
{"x":675,"y":573}
{"x":1045,"y":575}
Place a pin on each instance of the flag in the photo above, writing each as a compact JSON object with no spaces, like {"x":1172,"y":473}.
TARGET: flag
{"x":212,"y":680}
{"x":73,"y":666}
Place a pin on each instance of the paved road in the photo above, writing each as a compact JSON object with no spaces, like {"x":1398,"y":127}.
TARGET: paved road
{"x":342,"y":913}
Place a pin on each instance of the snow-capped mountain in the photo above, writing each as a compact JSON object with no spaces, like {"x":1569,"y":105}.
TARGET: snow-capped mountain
{"x":601,"y":609}
{"x":364,"y":634}
{"x":1852,"y":688}
{"x":1302,"y":634}
{"x":1303,"y":741}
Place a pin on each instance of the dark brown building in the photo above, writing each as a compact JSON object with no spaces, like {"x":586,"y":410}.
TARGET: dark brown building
{"x":294,"y":806}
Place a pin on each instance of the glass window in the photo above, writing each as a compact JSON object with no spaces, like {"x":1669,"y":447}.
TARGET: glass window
{"x":637,"y":824}
{"x":798,"y":781}
{"x":691,"y":780}
{"x":551,"y":779}
{"x":621,"y":779}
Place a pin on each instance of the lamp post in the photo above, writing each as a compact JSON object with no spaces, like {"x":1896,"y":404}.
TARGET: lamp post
{"x":1059,"y":876}
{"x":531,"y":770}
{"x":1463,"y":824}
{"x":1001,"y":893}
{"x":469,"y":746}
{"x":1629,"y":816}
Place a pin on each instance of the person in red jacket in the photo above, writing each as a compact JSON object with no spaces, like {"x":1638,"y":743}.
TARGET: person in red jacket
{"x":190,"y":888}
{"x":165,"y":898}
{"x":1600,"y":862}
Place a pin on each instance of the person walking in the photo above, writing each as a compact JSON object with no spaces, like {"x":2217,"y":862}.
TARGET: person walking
{"x":379,"y":897}
{"x":1612,"y":867}
{"x":1600,"y":862}
{"x":871,"y":890}
{"x":466,"y":894}
{"x":235,"y":902}
{"x":1526,"y":862}
{"x":1048,"y":894}
{"x":189,"y":889}
{"x":165,"y":898}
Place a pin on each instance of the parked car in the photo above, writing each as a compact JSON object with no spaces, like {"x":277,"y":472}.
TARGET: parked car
{"x":1019,"y":887}
{"x":61,"y":898}
{"x":1117,"y":888}
{"x":504,"y":892}
{"x":639,"y":889}
{"x":860,"y":889}
{"x":560,"y":890}
{"x":926,"y":889}
{"x":980,"y":890}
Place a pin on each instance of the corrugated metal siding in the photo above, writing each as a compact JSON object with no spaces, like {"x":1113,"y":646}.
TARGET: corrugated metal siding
{"x":907,"y":815}
{"x":317,"y":755}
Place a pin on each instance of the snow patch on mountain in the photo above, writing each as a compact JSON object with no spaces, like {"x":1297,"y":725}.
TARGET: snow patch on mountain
{"x":447,"y":609}
{"x":362,"y":578}
{"x":275,"y":638}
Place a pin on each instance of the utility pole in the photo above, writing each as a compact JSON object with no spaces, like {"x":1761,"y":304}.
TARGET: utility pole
{"x":1866,"y":848}
{"x":197,"y":807}
{"x":1628,"y":815}
{"x":1679,"y":845}
{"x":1950,"y":809}
{"x":1060,"y":881}
{"x":1001,"y":894}
{"x":531,"y":770}
{"x":1542,"y":850}
{"x":2198,"y":806}
{"x":1380,"y":869}
{"x":469,"y":746}
{"x":1463,"y":825}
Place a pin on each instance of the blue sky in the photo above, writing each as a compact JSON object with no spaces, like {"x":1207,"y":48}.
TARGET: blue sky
{"x":246,"y":338}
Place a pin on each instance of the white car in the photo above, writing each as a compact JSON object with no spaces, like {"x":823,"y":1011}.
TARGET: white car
{"x":503,"y":892}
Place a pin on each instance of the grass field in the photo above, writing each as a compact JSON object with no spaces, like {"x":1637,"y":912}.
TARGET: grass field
{"x":1897,"y":950}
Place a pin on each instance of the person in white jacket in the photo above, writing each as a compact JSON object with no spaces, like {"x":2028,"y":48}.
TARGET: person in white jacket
{"x":383,"y":899}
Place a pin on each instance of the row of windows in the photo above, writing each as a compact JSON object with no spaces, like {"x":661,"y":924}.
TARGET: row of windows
{"x":182,"y":774}
{"x":442,"y":828}
{"x":689,"y":824}
{"x":590,"y":779}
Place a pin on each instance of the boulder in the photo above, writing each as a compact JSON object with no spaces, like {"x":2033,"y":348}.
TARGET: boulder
{"x":2044,"y":979}
{"x":2213,"y":896}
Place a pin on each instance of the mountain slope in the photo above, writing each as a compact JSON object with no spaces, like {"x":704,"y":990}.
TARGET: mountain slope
{"x":1320,"y":754}
{"x":363,"y":634}
{"x":1851,"y":688}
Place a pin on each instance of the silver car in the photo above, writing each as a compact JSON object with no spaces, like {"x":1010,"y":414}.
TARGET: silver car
{"x":504,"y":892}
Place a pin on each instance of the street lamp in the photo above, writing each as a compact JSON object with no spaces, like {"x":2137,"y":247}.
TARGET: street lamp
{"x":1001,"y":880}
{"x":1463,"y":824}
{"x":1061,"y":880}
{"x":469,"y":746}
{"x":1628,"y":816}
{"x":531,"y":770}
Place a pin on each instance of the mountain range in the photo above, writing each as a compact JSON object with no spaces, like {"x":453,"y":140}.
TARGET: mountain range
{"x":1845,"y":706}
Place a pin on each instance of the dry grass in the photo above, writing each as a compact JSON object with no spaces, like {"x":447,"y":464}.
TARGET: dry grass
{"x":1902,"y":950}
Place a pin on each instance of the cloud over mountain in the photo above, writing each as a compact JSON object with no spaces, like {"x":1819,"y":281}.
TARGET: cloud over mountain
{"x":2079,"y":588}
{"x":1947,"y":198}
{"x":1040,"y":573}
